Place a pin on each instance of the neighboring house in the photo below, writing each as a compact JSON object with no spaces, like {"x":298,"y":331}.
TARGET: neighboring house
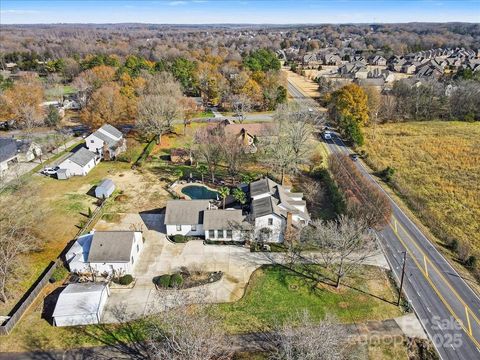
{"x":28,"y":150}
{"x":179,"y":156}
{"x":274,"y":208}
{"x":104,"y":189}
{"x":185,"y":217}
{"x":12,"y":151}
{"x":81,"y":304}
{"x":107,"y":141}
{"x":225,"y":225}
{"x":79,"y":163}
{"x":408,"y":68}
{"x":377,"y":60}
{"x":105,"y":252}
{"x":247,"y":134}
{"x":8,"y":153}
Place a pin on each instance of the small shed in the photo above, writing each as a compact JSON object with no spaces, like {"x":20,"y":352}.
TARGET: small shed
{"x":104,"y":189}
{"x":63,"y":174}
{"x":81,"y":304}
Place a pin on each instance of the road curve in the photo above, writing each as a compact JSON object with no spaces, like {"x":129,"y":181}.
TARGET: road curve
{"x":447,"y":307}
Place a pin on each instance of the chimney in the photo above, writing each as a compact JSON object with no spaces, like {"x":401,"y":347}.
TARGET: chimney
{"x":289,"y":220}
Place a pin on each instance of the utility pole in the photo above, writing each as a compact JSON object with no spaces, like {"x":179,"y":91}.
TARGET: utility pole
{"x":402,"y":277}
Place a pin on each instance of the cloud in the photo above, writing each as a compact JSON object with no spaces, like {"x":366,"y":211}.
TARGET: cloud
{"x":177,"y":3}
{"x":200,"y":1}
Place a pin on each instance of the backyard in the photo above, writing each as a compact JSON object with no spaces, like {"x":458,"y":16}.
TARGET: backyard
{"x":437,"y":171}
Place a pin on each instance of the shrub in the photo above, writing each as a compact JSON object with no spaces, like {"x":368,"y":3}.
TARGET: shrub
{"x":471,"y":262}
{"x":454,"y":245}
{"x":59,"y":274}
{"x":176,"y":280}
{"x":387,"y":173}
{"x":125,"y":279}
{"x":162,"y":281}
{"x":179,"y":238}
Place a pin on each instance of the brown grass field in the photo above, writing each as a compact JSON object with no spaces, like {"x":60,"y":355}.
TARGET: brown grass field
{"x":437,"y":172}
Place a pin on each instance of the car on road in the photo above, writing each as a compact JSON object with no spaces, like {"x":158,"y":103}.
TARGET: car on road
{"x":354,"y":157}
{"x":50,"y":171}
{"x":327,"y":135}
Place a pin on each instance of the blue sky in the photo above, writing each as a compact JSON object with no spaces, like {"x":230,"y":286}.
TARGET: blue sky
{"x":236,"y":11}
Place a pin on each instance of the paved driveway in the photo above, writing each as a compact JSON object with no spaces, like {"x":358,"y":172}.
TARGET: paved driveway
{"x":160,"y":256}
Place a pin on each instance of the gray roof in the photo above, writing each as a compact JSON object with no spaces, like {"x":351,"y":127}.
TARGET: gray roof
{"x":223,"y":219}
{"x":8,"y":148}
{"x":106,"y":184}
{"x":112,"y":130}
{"x":185,"y":212}
{"x":261,"y":186}
{"x":111,"y":246}
{"x":264,"y":206}
{"x":83,"y":287}
{"x":82,"y":156}
{"x":107,"y":139}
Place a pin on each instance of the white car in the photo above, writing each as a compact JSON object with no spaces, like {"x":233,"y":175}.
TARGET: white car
{"x":50,"y":170}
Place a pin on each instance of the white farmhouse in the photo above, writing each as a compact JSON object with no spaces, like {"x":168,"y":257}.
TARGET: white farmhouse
{"x":185,"y":217}
{"x":81,"y":304}
{"x":107,"y":142}
{"x":105,"y":252}
{"x":79,"y":163}
{"x":274,"y":207}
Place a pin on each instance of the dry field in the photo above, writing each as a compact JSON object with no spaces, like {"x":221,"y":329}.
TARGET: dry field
{"x":438,"y":172}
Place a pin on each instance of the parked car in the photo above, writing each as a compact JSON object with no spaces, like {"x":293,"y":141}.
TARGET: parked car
{"x":327,"y":135}
{"x":354,"y":157}
{"x":50,"y":171}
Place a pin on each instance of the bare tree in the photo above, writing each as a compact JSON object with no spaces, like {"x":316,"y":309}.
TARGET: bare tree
{"x":17,"y":236}
{"x":241,"y":105}
{"x":159,"y":106}
{"x":308,"y":340}
{"x":208,"y":146}
{"x":343,"y":245}
{"x":233,"y":153}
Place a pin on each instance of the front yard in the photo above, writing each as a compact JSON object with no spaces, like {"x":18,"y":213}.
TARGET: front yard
{"x":275,"y":294}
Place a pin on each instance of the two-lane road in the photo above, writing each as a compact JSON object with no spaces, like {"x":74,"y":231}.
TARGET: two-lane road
{"x":447,"y":307}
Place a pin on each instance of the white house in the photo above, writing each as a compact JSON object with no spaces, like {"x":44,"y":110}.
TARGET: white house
{"x":274,"y":207}
{"x":225,"y":225}
{"x":107,"y":141}
{"x":105,"y":252}
{"x":80,"y":163}
{"x":185,"y":217}
{"x":81,"y":304}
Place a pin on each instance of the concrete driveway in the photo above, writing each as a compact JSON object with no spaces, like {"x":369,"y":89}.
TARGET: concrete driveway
{"x":160,"y":256}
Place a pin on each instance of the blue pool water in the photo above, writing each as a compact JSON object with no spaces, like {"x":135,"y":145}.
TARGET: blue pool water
{"x":199,"y":192}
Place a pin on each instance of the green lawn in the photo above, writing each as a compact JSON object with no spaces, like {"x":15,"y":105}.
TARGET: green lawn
{"x":275,"y":295}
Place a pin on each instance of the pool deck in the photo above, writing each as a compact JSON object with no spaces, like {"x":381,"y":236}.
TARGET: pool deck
{"x":178,"y":186}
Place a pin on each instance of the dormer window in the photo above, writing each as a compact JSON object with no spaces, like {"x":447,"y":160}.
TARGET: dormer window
{"x":270,"y":221}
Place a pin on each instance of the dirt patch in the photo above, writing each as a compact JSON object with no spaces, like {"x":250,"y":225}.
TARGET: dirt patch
{"x":309,"y":87}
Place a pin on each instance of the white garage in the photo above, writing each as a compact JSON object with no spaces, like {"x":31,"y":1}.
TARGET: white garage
{"x":81,"y":304}
{"x":80,"y":163}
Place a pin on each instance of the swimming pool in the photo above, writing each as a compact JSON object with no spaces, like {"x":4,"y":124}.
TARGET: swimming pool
{"x":199,"y":192}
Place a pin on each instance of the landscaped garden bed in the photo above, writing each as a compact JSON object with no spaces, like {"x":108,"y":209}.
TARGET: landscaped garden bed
{"x":186,"y":279}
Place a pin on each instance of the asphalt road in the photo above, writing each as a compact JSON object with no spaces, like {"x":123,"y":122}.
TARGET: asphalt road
{"x":447,"y":307}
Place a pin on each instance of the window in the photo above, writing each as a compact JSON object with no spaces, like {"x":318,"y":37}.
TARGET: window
{"x":229,"y":234}
{"x":220,"y":234}
{"x":138,"y":249}
{"x":270,"y":221}
{"x":92,"y":141}
{"x":194,"y":227}
{"x":211,"y":234}
{"x":179,"y":227}
{"x":132,"y":259}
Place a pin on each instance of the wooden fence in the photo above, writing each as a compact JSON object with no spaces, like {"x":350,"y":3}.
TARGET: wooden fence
{"x":29,"y":297}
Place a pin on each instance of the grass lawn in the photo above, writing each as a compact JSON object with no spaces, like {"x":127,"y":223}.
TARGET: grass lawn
{"x":437,"y":171}
{"x":275,"y":295}
{"x":203,"y":115}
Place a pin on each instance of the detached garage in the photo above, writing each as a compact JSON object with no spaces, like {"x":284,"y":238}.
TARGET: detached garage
{"x":81,"y":304}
